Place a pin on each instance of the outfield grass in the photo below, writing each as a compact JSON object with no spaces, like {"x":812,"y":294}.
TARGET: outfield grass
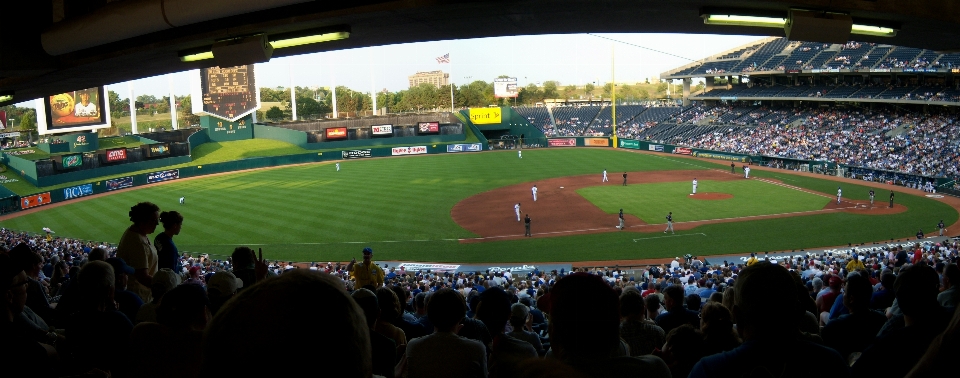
{"x":401,"y":208}
{"x":652,"y":202}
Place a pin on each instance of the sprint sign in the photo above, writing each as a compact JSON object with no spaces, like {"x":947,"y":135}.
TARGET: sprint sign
{"x":414,"y":150}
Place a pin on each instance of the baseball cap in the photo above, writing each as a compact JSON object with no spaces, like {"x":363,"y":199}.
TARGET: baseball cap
{"x":119,"y":265}
{"x":224,"y":282}
{"x":368,"y":250}
{"x":195,"y":268}
{"x":835,"y":281}
{"x":165,"y":279}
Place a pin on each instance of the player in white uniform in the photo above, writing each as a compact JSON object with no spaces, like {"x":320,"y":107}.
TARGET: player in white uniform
{"x":746,"y":172}
{"x":694,"y":185}
{"x":605,"y":176}
{"x":839,"y":194}
{"x":520,"y":154}
{"x":338,"y":167}
{"x":181,"y":200}
{"x":516,"y":209}
{"x":534,"y":190}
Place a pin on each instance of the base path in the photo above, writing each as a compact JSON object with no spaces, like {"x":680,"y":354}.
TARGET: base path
{"x":560,"y":211}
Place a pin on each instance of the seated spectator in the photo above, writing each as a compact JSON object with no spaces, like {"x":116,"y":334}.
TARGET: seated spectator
{"x":641,"y":334}
{"x":222,"y":286}
{"x":716,"y":324}
{"x":384,"y":349}
{"x":682,"y":350}
{"x":30,"y":263}
{"x":164,"y":281}
{"x":883,"y":298}
{"x":443,"y":353}
{"x":20,"y":354}
{"x":98,"y":334}
{"x":181,"y":319}
{"x":248,"y":268}
{"x":506,"y":353}
{"x":852,"y":333}
{"x":941,"y":352}
{"x":389,"y":310}
{"x":767,"y":320}
{"x":923,"y":319}
{"x":950,"y":296}
{"x":676,"y":314}
{"x":585,"y":330}
{"x":825,"y":301}
{"x":127,"y":302}
{"x":693,"y":302}
{"x":522,"y":322}
{"x":242,"y":341}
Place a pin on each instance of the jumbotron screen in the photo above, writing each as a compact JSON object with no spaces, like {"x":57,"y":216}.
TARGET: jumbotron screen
{"x":76,"y":108}
{"x":229,"y":92}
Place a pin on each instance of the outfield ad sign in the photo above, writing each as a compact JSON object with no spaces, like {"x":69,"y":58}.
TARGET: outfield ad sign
{"x":119,"y":154}
{"x":119,"y":183}
{"x":655,"y":147}
{"x":596,"y":142}
{"x":714,"y":155}
{"x":71,"y":161}
{"x":413,"y":150}
{"x":78,"y":191}
{"x":562,"y":142}
{"x":172,"y":174}
{"x":158,"y":149}
{"x":473,"y":147}
{"x":428,"y":127}
{"x":357,"y":154}
{"x":35,"y":200}
{"x":382,"y":129}
{"x":629,"y":143}
{"x":336,"y":133}
{"x":682,"y":151}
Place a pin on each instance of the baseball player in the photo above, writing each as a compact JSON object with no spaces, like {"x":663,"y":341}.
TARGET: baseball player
{"x":605,"y":176}
{"x":694,"y":185}
{"x":624,"y":178}
{"x":338,"y":167}
{"x":516,"y":209}
{"x":941,"y":227}
{"x":839,"y":194}
{"x":621,"y":220}
{"x":669,"y":223}
{"x":534,"y":190}
{"x":733,"y":167}
{"x":526,"y":225}
{"x":520,"y":154}
{"x":871,"y":197}
{"x":181,"y":200}
{"x":891,"y":199}
{"x":746,"y":172}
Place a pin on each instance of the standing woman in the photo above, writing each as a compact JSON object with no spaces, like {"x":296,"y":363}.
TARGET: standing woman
{"x":136,"y":249}
{"x":167,"y":254}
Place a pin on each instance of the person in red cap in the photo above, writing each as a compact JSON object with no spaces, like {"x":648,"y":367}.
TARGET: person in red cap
{"x":367,"y":273}
{"x":825,"y":302}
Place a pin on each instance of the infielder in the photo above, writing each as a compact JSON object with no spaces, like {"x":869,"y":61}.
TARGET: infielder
{"x":746,"y":172}
{"x":605,"y":176}
{"x":621,"y":220}
{"x":534,"y":190}
{"x":941,"y":227}
{"x":520,"y":154}
{"x":694,"y":185}
{"x":839,"y":194}
{"x":624,"y":178}
{"x":891,"y":199}
{"x":338,"y":167}
{"x":871,"y":197}
{"x":181,"y":200}
{"x":516,"y":209}
{"x":669,"y":223}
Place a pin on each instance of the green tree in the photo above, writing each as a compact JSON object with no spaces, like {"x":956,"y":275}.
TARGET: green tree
{"x":550,"y":89}
{"x":117,"y":105}
{"x":589,"y":89}
{"x":661,"y":89}
{"x":307,"y":107}
{"x":186,"y":117}
{"x":569,"y":91}
{"x":274,"y":113}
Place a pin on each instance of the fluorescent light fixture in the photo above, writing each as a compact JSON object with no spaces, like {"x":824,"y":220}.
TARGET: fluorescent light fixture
{"x":736,"y":20}
{"x":309,"y":39}
{"x":877,"y":31}
{"x":197,"y":56}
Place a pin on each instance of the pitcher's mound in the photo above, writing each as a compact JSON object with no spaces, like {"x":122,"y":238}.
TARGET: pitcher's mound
{"x":711,"y":196}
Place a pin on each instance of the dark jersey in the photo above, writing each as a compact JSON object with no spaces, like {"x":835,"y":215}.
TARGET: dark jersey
{"x":940,"y":225}
{"x":621,"y":214}
{"x":669,"y":218}
{"x":871,"y":193}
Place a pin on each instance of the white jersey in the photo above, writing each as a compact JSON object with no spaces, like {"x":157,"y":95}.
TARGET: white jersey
{"x":694,"y":182}
{"x":516,"y":208}
{"x":534,"y":190}
{"x":839,"y":192}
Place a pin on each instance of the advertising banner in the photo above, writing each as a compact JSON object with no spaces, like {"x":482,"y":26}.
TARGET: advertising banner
{"x":119,"y":183}
{"x":78,"y":191}
{"x":35,"y":200}
{"x":655,"y":147}
{"x":629,"y":143}
{"x":13,"y":134}
{"x":483,"y":116}
{"x":356,"y":154}
{"x":172,"y":174}
{"x":119,"y":154}
{"x":21,"y":152}
{"x":714,"y":155}
{"x":71,"y":161}
{"x":413,"y":150}
{"x":159,"y":149}
{"x":428,"y":127}
{"x":474,"y":147}
{"x":505,"y":87}
{"x":382,"y":129}
{"x":562,"y":142}
{"x":682,"y":151}
{"x":6,"y":180}
{"x":336,"y":133}
{"x":596,"y":142}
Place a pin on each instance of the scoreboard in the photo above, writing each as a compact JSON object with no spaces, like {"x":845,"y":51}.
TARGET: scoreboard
{"x":229,"y":92}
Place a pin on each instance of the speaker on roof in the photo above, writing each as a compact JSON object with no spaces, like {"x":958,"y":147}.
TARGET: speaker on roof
{"x":812,"y":26}
{"x":241,"y":51}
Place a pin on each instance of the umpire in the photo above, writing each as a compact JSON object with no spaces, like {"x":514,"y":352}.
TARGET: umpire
{"x":526,"y":225}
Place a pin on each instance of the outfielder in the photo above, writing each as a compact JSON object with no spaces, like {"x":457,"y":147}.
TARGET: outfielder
{"x":534,"y":190}
{"x":621,"y":220}
{"x":516,"y":209}
{"x":669,"y":223}
{"x":605,"y":176}
{"x":694,"y":185}
{"x":338,"y":167}
{"x":839,"y":194}
{"x":871,"y":197}
{"x":181,"y":200}
{"x":520,"y":154}
{"x":746,"y":172}
{"x":941,"y":227}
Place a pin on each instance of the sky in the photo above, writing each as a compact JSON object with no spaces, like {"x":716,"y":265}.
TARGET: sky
{"x":575,"y":59}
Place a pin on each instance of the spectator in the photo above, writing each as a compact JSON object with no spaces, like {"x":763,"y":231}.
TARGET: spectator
{"x":384,"y":349}
{"x":127,"y":302}
{"x":167,"y":254}
{"x":584,"y":330}
{"x":164,"y":281}
{"x":825,"y":302}
{"x":641,"y":334}
{"x":97,"y":333}
{"x":223,"y":285}
{"x":941,"y":352}
{"x":676,"y":314}
{"x":683,"y":348}
{"x":883,"y":298}
{"x":20,"y":354}
{"x":389,"y":311}
{"x":716,"y":324}
{"x":136,"y":249}
{"x":950,"y":296}
{"x":768,"y":321}
{"x":248,"y":267}
{"x":852,"y":333}
{"x":181,"y":319}
{"x":242,"y":339}
{"x":521,"y":320}
{"x":506,"y":353}
{"x":367,"y":273}
{"x":443,"y":353}
{"x":30,"y":263}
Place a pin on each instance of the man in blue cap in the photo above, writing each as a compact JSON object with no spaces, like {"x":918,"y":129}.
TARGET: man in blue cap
{"x":366,"y":273}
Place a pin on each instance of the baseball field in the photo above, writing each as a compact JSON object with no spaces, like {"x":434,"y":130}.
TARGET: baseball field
{"x":460,"y":208}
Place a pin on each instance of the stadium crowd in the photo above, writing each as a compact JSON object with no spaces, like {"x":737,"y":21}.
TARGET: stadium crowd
{"x":80,"y":308}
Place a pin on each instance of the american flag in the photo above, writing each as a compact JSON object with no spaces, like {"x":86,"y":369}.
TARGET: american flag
{"x":444,"y":59}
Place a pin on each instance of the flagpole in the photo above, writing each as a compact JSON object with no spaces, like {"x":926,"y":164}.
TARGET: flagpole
{"x":613,"y":91}
{"x":450,"y":82}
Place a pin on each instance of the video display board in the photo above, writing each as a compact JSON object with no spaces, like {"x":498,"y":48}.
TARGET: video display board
{"x":78,"y":110}
{"x":505,"y":87}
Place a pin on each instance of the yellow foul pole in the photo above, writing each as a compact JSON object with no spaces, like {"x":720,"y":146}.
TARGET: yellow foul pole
{"x":613,"y":92}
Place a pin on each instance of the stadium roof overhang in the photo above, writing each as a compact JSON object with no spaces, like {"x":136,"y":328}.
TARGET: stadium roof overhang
{"x":96,"y":42}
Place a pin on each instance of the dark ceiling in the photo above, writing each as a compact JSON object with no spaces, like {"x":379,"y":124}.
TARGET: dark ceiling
{"x":30,"y":72}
